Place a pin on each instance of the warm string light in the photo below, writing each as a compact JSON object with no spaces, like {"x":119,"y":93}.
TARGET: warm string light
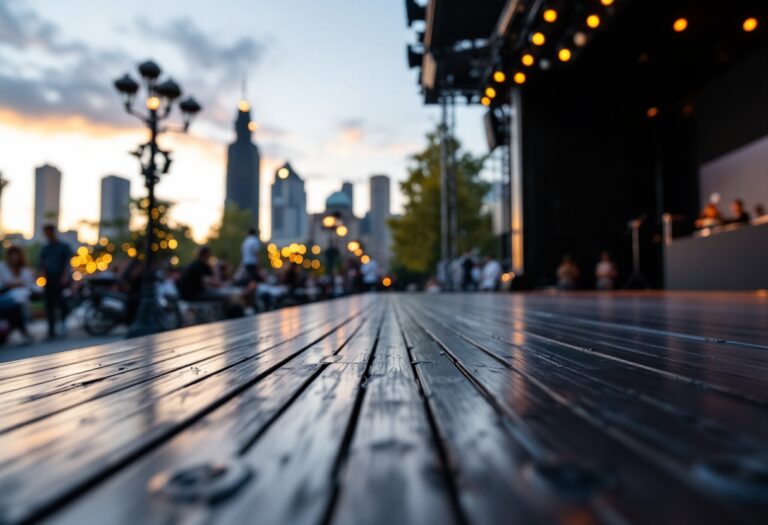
{"x":593,"y":21}
{"x":528,"y":60}
{"x":519,"y":78}
{"x":538,"y":39}
{"x":749,"y":25}
{"x":680,"y":25}
{"x":550,"y":15}
{"x":564,"y":54}
{"x":499,"y":76}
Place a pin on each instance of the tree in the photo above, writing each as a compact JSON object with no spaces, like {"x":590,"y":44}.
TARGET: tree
{"x":416,"y":235}
{"x":174,"y":242}
{"x":226,"y":238}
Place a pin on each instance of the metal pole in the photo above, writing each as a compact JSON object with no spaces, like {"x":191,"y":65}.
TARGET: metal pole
{"x":445,"y":238}
{"x":148,"y":315}
{"x":453,"y":213}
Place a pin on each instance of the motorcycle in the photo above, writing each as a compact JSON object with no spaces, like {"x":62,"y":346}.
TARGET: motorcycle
{"x":104,"y":307}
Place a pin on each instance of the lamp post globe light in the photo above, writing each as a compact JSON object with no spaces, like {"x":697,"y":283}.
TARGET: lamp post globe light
{"x":159,"y":103}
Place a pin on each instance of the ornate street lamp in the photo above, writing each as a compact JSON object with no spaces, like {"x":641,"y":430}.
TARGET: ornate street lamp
{"x":159,"y":103}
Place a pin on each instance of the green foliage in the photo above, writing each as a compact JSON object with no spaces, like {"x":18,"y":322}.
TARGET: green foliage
{"x":173,"y":239}
{"x":416,"y":235}
{"x":226,"y":238}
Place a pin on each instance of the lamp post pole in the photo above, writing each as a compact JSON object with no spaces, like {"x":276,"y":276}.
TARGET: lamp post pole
{"x":149,"y":316}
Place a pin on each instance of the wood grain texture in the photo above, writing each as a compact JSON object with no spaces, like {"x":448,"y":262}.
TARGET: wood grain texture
{"x":452,"y":409}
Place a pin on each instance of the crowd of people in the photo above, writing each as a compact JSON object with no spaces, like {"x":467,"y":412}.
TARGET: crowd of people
{"x":711,"y":215}
{"x":249,"y":287}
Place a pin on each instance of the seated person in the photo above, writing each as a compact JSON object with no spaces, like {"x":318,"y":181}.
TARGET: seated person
{"x":198,"y":282}
{"x":710,"y":216}
{"x":605,"y":272}
{"x":759,"y":210}
{"x":568,"y":273}
{"x":740,"y":215}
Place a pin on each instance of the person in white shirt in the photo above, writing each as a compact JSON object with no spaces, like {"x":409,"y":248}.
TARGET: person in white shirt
{"x":370,"y":271}
{"x":17,"y":282}
{"x":250,"y":251}
{"x":489,"y":278}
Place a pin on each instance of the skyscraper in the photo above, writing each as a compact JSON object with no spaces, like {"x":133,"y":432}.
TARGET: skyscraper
{"x":349,"y":190}
{"x":115,"y":202}
{"x":47,"y":198}
{"x":243,"y":165}
{"x":380,"y":212}
{"x":289,"y":207}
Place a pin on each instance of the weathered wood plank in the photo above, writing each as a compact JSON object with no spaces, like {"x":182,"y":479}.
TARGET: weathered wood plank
{"x":221,"y":435}
{"x":393,"y":472}
{"x":132,"y":421}
{"x":552,"y":401}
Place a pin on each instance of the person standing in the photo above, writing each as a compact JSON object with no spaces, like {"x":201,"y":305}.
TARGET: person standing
{"x":54,"y":263}
{"x":489,"y":278}
{"x":370,"y":271}
{"x":250,"y":250}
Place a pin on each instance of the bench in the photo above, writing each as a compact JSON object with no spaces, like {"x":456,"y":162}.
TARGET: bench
{"x":404,"y":409}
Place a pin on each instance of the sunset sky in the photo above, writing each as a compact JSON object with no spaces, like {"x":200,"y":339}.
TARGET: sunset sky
{"x":327,"y":82}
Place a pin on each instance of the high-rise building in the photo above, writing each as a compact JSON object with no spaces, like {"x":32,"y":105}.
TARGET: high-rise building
{"x":349,"y":190}
{"x":47,"y":198}
{"x":289,"y":207}
{"x":115,"y":206}
{"x":243,"y":165}
{"x":377,"y":219}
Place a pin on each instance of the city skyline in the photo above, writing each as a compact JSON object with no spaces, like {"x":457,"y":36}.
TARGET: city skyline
{"x":60,"y":107}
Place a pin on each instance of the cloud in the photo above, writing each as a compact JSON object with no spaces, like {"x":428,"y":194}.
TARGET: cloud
{"x":352,"y":131}
{"x":48,"y":79}
{"x":202,"y":51}
{"x":39,"y":88}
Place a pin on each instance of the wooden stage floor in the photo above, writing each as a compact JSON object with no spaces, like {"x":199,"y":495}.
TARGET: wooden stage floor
{"x":405,"y":409}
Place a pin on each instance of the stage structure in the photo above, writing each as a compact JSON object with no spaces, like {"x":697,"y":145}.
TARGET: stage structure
{"x":606,"y":110}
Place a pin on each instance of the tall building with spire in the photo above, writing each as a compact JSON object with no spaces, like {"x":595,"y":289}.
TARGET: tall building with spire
{"x":243,"y":165}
